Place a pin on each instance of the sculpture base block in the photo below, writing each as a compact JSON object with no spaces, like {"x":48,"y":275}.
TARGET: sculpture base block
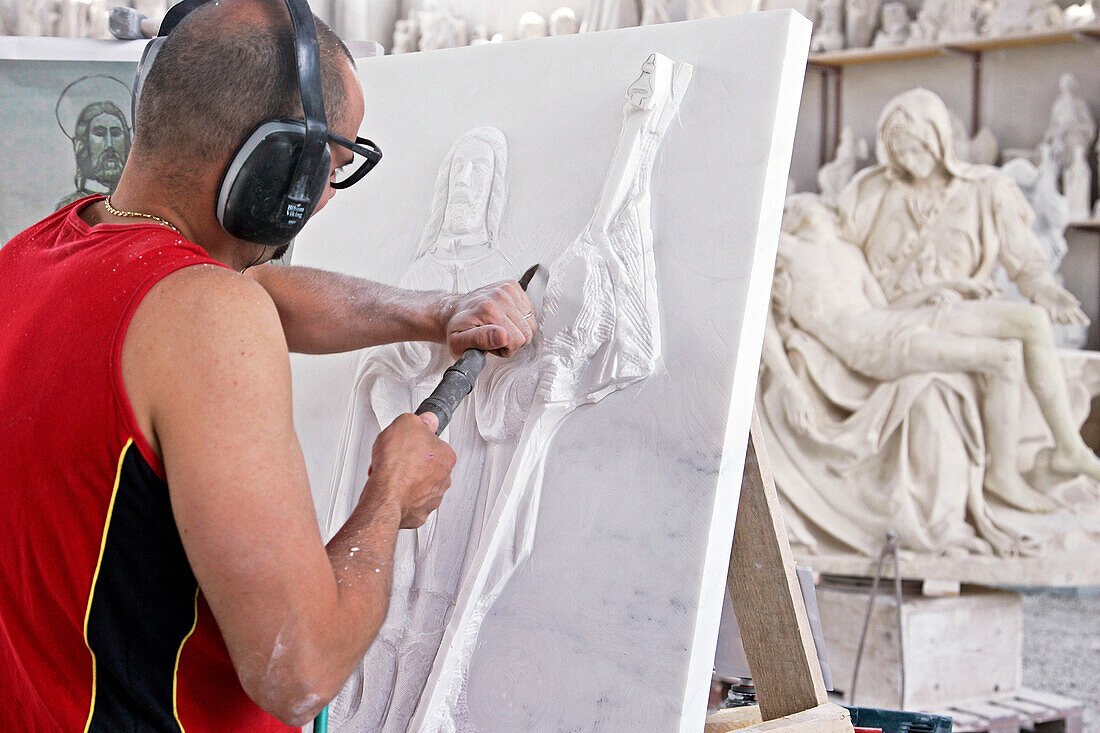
{"x":1063,"y":570}
{"x":951,"y":649}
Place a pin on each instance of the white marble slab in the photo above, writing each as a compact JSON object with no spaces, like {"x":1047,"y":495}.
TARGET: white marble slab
{"x":611,"y":623}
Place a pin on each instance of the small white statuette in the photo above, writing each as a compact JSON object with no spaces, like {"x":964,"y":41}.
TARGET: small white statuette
{"x":654,"y":11}
{"x":860,"y":21}
{"x":530,"y":26}
{"x":1009,"y":17}
{"x":439,"y":29}
{"x":895,"y":26}
{"x":829,"y":35}
{"x":1072,"y":123}
{"x":406,"y":35}
{"x":563,"y":22}
{"x":1077,"y":184}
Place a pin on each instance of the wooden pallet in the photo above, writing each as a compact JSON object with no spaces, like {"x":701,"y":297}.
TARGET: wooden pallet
{"x":1025,"y":710}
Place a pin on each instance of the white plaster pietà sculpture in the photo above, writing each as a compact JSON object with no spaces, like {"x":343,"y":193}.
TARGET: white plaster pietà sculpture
{"x":591,"y":345}
{"x":869,"y":402}
{"x":834,"y":175}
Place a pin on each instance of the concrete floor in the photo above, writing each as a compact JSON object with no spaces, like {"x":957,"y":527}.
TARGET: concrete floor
{"x":1062,"y":646}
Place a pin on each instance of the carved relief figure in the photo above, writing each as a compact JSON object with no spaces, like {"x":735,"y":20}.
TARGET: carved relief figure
{"x":1071,"y":123}
{"x":834,"y":175}
{"x":593,"y":345}
{"x":895,"y":26}
{"x":99,"y":132}
{"x":590,"y":345}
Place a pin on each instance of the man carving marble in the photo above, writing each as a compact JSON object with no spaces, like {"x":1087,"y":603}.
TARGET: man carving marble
{"x":594,"y":343}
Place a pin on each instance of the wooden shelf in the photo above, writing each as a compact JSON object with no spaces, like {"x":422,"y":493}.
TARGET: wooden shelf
{"x":855,"y":56}
{"x":1086,"y":225}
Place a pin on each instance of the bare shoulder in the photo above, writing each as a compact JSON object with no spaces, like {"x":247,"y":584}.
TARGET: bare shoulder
{"x":195,"y":337}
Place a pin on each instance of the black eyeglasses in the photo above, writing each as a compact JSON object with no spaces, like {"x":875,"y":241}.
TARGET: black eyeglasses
{"x":366,"y":153}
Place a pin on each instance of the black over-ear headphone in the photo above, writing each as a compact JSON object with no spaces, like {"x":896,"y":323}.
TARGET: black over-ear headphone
{"x":277,"y":177}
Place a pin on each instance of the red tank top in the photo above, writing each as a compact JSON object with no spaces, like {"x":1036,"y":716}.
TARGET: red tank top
{"x":102,"y":626}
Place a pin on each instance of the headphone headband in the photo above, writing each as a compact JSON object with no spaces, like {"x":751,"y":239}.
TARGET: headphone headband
{"x":308,"y":54}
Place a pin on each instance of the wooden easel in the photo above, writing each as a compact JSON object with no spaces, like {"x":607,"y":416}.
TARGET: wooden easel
{"x":775,"y":629}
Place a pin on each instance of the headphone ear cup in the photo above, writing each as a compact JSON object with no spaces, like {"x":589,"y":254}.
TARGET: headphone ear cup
{"x":252,"y":196}
{"x":148,"y":56}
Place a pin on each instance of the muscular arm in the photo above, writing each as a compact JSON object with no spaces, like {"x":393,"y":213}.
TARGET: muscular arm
{"x":206,"y":369}
{"x":326,"y":312}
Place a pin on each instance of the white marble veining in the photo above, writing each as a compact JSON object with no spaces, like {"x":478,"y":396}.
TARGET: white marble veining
{"x":619,"y":571}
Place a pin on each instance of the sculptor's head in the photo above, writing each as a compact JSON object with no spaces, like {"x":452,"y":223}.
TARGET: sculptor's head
{"x":470,"y":189}
{"x":810,"y":218}
{"x":915,"y":137}
{"x":101,"y":142}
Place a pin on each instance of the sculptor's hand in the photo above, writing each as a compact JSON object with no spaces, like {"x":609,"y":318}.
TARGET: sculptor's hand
{"x":498,"y":318}
{"x":410,"y":468}
{"x":1061,"y":305}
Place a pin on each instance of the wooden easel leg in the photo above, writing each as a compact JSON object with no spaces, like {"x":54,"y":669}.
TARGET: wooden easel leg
{"x":775,"y":630}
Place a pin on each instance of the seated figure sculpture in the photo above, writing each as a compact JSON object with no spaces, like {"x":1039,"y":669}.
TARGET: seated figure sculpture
{"x":949,"y":327}
{"x":874,"y":416}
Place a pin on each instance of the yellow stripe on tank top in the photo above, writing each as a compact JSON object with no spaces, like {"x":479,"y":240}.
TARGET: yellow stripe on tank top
{"x":176,"y":671}
{"x":95,"y":577}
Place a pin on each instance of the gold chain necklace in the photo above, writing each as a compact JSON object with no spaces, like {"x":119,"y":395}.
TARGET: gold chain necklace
{"x":157,"y":219}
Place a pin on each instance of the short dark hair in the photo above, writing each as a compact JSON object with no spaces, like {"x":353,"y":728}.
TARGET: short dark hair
{"x":220,"y":74}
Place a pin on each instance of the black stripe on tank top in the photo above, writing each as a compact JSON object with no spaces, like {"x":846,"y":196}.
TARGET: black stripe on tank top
{"x":142,"y":607}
